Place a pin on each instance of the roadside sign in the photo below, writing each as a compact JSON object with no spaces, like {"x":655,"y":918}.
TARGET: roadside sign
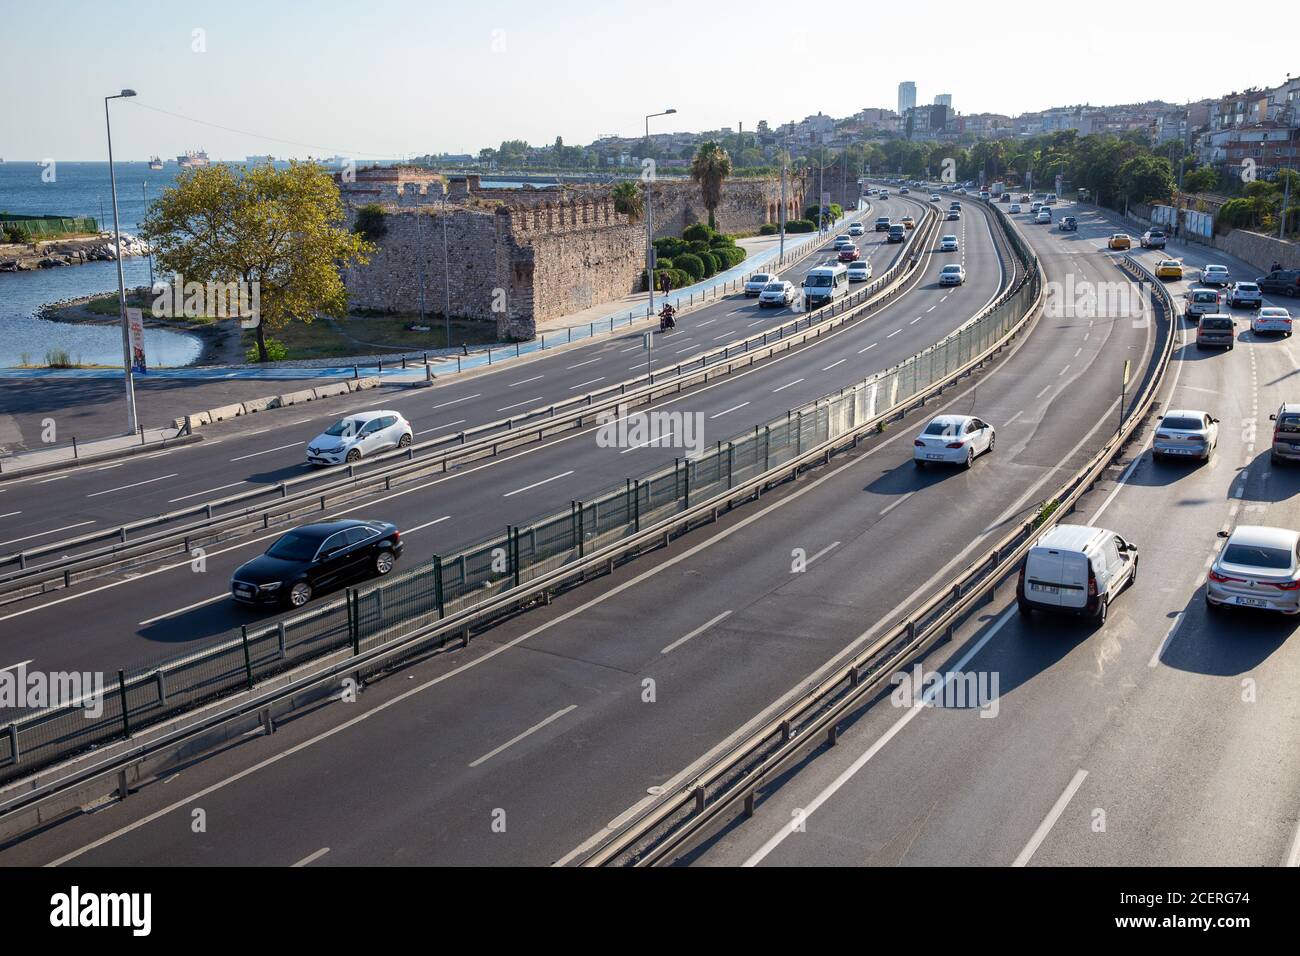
{"x":1128,"y":368}
{"x":135,"y":325}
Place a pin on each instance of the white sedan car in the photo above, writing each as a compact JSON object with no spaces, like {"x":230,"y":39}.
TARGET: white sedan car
{"x":1271,"y":318}
{"x":779,"y":293}
{"x":758,"y":282}
{"x":952,"y":274}
{"x":356,"y":436}
{"x":856,"y":229}
{"x":1184,"y":433}
{"x":1014,"y":207}
{"x":1256,"y":568}
{"x":952,"y":439}
{"x":948,"y":243}
{"x":1215,"y":275}
{"x":860,"y":270}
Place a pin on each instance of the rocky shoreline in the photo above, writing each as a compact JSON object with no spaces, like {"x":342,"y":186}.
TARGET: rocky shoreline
{"x":68,"y":252}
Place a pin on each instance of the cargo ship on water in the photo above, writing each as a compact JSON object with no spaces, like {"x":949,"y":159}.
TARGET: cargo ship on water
{"x":155,"y":163}
{"x":193,"y":158}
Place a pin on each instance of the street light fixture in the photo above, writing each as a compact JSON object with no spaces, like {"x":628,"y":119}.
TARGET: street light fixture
{"x":649,"y":220}
{"x":132,"y":421}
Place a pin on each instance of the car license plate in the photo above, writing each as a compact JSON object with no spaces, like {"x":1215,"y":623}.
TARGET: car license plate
{"x":244,"y":592}
{"x":1182,"y":451}
{"x":934,"y":457}
{"x":1045,"y":588}
{"x":1250,"y":602}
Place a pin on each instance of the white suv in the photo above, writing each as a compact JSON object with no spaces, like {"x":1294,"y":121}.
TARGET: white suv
{"x":356,"y":436}
{"x":948,"y":244}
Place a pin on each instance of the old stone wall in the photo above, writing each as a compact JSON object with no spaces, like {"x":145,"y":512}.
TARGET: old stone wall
{"x":519,"y":257}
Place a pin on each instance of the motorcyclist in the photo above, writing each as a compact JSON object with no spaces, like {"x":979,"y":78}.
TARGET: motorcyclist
{"x":666,"y":318}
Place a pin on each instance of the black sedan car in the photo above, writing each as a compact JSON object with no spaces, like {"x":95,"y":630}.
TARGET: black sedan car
{"x":315,"y":557}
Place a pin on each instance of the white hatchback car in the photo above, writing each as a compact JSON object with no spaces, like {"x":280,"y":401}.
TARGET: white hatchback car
{"x":953,"y":439}
{"x":1245,"y":295}
{"x":358,"y":436}
{"x":948,"y":244}
{"x":952,"y":274}
{"x":856,"y":229}
{"x":1014,"y":207}
{"x":860,"y":271}
{"x":1271,"y":318}
{"x":1215,"y":275}
{"x":1259,"y":567}
{"x":758,"y":282}
{"x":779,"y":293}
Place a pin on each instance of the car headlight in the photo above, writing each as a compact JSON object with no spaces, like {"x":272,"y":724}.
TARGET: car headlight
{"x":270,"y":587}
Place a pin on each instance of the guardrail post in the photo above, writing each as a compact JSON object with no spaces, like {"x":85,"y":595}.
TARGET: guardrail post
{"x":581,"y":530}
{"x":731,"y":463}
{"x":687,"y":478}
{"x":13,"y":743}
{"x":512,"y":539}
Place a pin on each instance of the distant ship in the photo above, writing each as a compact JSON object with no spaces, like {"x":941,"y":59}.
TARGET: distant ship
{"x":260,"y":159}
{"x":155,"y":163}
{"x":193,"y":158}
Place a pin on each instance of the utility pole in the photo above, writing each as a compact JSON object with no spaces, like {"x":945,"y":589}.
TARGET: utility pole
{"x":649,"y":220}
{"x":781,"y":250}
{"x":144,"y":194}
{"x":129,"y":380}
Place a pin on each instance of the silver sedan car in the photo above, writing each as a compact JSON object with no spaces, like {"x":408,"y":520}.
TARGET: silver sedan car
{"x":1259,"y":567}
{"x":1183,"y":433}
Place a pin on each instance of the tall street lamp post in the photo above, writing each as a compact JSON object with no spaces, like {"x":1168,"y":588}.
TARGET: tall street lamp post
{"x":649,"y":219}
{"x":132,"y":421}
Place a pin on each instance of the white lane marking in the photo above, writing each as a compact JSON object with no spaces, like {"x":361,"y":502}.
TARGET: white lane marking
{"x":182,"y":610}
{"x":586,"y":383}
{"x":312,"y":858}
{"x":46,"y":481}
{"x":895,"y":504}
{"x":525,"y":381}
{"x":29,"y":660}
{"x":893,"y":333}
{"x":731,"y":409}
{"x":632,"y":348}
{"x":695,"y":633}
{"x":945,"y":298}
{"x":10,"y":514}
{"x":931,"y":309}
{"x":427,"y":524}
{"x":425,"y":431}
{"x":1293,"y":858}
{"x":517,"y":404}
{"x":531,"y":730}
{"x":301,"y":421}
{"x":851,"y":771}
{"x":118,"y":465}
{"x":822,"y":553}
{"x":51,"y":531}
{"x":711,"y":321}
{"x":267,"y":451}
{"x":457,"y":401}
{"x":1062,"y":371}
{"x":1013,"y":418}
{"x":652,"y":441}
{"x":871,"y":346}
{"x":1044,"y":391}
{"x":833,"y":364}
{"x":172,"y":501}
{"x":1049,"y":821}
{"x":136,"y":484}
{"x":787,"y":385}
{"x":723,"y":336}
{"x":1169,"y":636}
{"x":588,"y":362}
{"x":260,"y":431}
{"x":563,"y":474}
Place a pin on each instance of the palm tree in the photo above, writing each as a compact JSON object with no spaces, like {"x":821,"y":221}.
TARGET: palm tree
{"x":629,"y":200}
{"x":710,"y":167}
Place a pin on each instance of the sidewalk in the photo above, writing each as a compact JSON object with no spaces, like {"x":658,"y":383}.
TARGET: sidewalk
{"x":40,"y":460}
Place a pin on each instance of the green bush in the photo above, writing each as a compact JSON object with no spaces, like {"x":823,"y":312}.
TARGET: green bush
{"x":691,"y":264}
{"x":712,"y":264}
{"x":276,"y":351}
{"x":800,"y":225}
{"x":370,"y":222}
{"x":721,"y":241}
{"x":14,"y":234}
{"x":671,"y":246}
{"x":663,"y":264}
{"x":768,"y":229}
{"x":697,"y":233}
{"x":733,"y":254}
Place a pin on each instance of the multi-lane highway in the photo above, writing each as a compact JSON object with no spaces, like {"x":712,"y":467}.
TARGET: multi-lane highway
{"x":152,"y":614}
{"x":524,"y":747}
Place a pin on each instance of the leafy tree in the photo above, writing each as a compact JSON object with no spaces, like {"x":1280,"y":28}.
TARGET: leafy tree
{"x":280,"y":228}
{"x":710,"y":168}
{"x":629,"y":200}
{"x":1201,"y":180}
{"x":1147,"y":178}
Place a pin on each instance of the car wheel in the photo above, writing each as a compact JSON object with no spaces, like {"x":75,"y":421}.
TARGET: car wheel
{"x":354,"y":454}
{"x":970,"y":459}
{"x":919,"y":463}
{"x":1026,"y":609}
{"x":1102,"y":606}
{"x":993,"y":440}
{"x":384,"y":562}
{"x":1132,"y":578}
{"x":299,"y":594}
{"x":404,"y":440}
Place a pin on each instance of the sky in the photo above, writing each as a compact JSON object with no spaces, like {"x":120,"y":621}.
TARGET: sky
{"x":393,"y":78}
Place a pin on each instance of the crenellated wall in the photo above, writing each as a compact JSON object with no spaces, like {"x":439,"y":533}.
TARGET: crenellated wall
{"x":520,"y":257}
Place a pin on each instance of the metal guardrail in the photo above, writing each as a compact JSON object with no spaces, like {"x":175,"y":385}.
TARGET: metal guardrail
{"x":448,"y":597}
{"x":731,"y":783}
{"x":383,"y":471}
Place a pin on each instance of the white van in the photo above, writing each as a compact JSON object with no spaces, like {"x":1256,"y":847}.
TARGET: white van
{"x":1076,"y":569}
{"x":824,"y":285}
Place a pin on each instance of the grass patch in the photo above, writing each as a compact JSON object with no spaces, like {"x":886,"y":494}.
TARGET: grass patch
{"x":107,"y":305}
{"x":376,"y":334}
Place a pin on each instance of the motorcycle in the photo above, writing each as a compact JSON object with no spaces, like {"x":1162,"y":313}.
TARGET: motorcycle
{"x":666,"y":319}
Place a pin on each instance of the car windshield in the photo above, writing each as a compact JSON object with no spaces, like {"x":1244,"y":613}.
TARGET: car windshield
{"x":1216,"y":325}
{"x":953,"y":268}
{"x":346,"y":426}
{"x":294,"y":547}
{"x":774,"y":287}
{"x":1288,"y":423}
{"x":817,"y":281}
{"x":1182,"y":424}
{"x":1257,"y":556}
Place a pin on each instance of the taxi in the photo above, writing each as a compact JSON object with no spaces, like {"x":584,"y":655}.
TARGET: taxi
{"x":908,"y":221}
{"x":1119,"y":241}
{"x":1169,"y":269}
